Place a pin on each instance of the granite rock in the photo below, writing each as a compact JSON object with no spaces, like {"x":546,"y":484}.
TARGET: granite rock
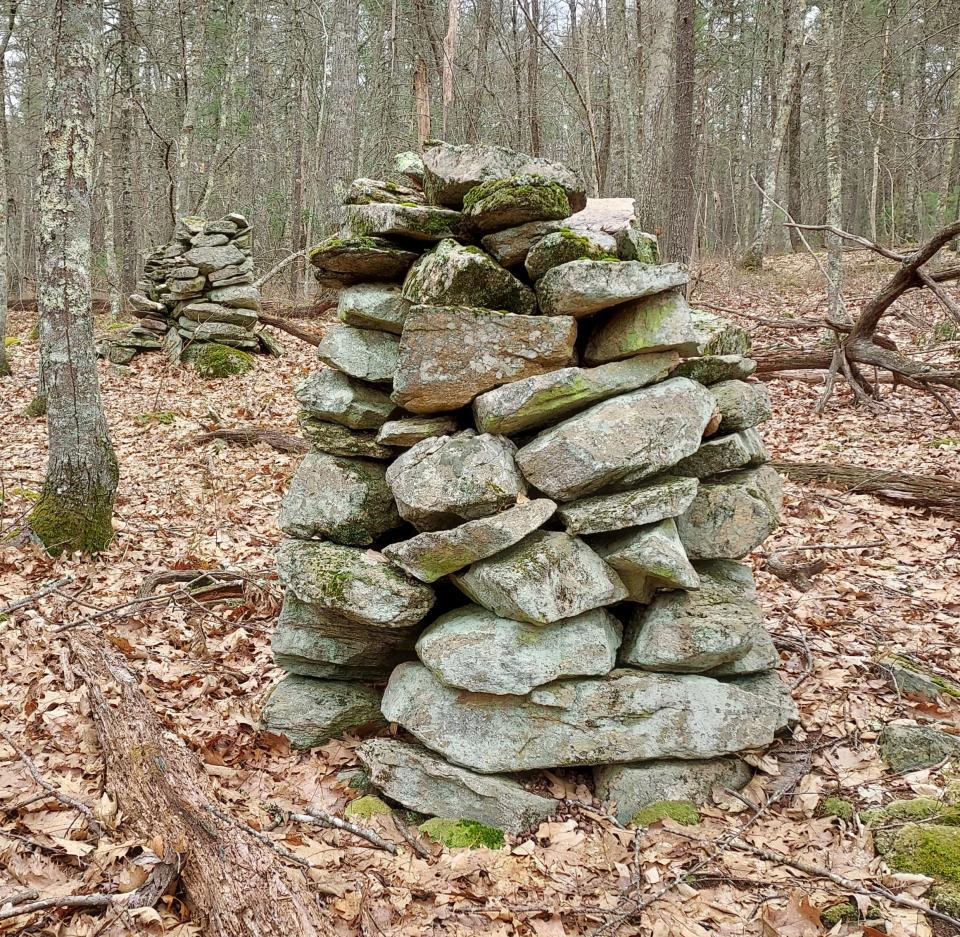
{"x":376,"y":306}
{"x":724,"y":454}
{"x":741,"y":405}
{"x":362,"y":353}
{"x":343,"y":441}
{"x":409,"y":430}
{"x":711,"y":369}
{"x":331,"y":395}
{"x":414,"y":222}
{"x":564,"y":245}
{"x":508,"y":202}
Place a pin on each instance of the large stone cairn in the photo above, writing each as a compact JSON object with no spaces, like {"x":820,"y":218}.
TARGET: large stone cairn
{"x":534,"y":473}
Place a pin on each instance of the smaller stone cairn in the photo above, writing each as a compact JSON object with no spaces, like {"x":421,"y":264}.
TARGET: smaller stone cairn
{"x":534,"y":473}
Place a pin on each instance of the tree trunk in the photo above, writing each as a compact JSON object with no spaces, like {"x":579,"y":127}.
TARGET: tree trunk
{"x":125,"y":232}
{"x":193,"y":42}
{"x":879,"y":116}
{"x":4,"y":282}
{"x":795,"y":190}
{"x":834,"y":167}
{"x":341,"y":138}
{"x":76,"y":505}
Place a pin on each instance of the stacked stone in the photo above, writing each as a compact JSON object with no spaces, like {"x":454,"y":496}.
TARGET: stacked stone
{"x":539,"y":445}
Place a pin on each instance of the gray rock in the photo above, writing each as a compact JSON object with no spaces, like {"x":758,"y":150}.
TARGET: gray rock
{"x":410,"y":430}
{"x":373,"y":191}
{"x":184,"y":273}
{"x":620,"y":441}
{"x":207,"y":259}
{"x":241,"y":297}
{"x":668,"y":496}
{"x":140,"y":302}
{"x":454,"y":275}
{"x":209,"y":240}
{"x":361,"y":353}
{"x":449,"y":355}
{"x":373,"y":306}
{"x":341,"y":261}
{"x":655,"y":323}
{"x":309,"y":712}
{"x":627,"y":716}
{"x":409,"y":164}
{"x":431,"y":555}
{"x":627,"y":788}
{"x":508,"y":202}
{"x":771,"y":687}
{"x":213,"y":312}
{"x":733,"y":515}
{"x":910,"y":748}
{"x":544,"y":399}
{"x":724,"y":454}
{"x":345,"y":500}
{"x":418,"y":779}
{"x":583,"y":287}
{"x":634,"y":244}
{"x":332,"y":395}
{"x":223,"y":332}
{"x":173,"y":346}
{"x":545,"y":577}
{"x":223,"y":226}
{"x":185,"y":289}
{"x":510,"y":248}
{"x":416,"y":222}
{"x":360,"y":585}
{"x":341,"y":440}
{"x":235,"y":274}
{"x":741,"y":405}
{"x":910,"y":677}
{"x":474,"y":649}
{"x":564,"y":245}
{"x":451,"y":171}
{"x":719,"y":336}
{"x":711,"y":369}
{"x":446,"y":480}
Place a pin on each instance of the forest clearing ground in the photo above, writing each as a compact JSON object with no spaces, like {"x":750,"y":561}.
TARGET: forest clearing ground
{"x":206,"y":669}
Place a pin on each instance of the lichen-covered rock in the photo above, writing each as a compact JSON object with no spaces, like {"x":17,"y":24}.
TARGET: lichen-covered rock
{"x":214,"y":360}
{"x":625,"y":716}
{"x":449,"y":355}
{"x":627,"y":788}
{"x":418,"y":779}
{"x":409,"y":430}
{"x":429,"y":556}
{"x":410,"y":164}
{"x":731,"y":516}
{"x":910,"y":677}
{"x":309,"y":712}
{"x":741,"y":405}
{"x":620,"y":441}
{"x":362,"y":353}
{"x":724,"y":454}
{"x":634,"y":244}
{"x":545,"y":577}
{"x":446,"y":480}
{"x":198,"y":311}
{"x":711,"y":369}
{"x":452,"y":171}
{"x":344,"y":500}
{"x":655,"y":323}
{"x":476,"y":650}
{"x":359,"y":585}
{"x":910,"y":748}
{"x":583,"y":287}
{"x":342,"y":261}
{"x":206,"y":259}
{"x":341,"y":440}
{"x":538,"y":401}
{"x":506,"y":203}
{"x":769,"y":685}
{"x":416,"y":222}
{"x":375,"y":191}
{"x":719,"y":336}
{"x":331,"y":395}
{"x":510,"y":248}
{"x":373,"y":306}
{"x":564,"y":245}
{"x":668,"y":496}
{"x":223,"y":333}
{"x":454,"y":275}
{"x":239,"y":297}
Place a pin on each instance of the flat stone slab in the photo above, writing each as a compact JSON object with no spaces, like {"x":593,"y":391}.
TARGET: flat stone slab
{"x":545,"y":577}
{"x":621,"y":440}
{"x":769,"y":685}
{"x":669,"y":496}
{"x":341,"y":440}
{"x":719,"y":336}
{"x":418,"y":779}
{"x":450,"y":354}
{"x":583,"y":287}
{"x":224,"y":332}
{"x":454,"y":275}
{"x":341,"y":261}
{"x":366,"y":191}
{"x":741,"y":405}
{"x":344,"y":500}
{"x":376,"y":306}
{"x":416,"y":222}
{"x":731,"y":516}
{"x":360,"y":585}
{"x":331,"y":395}
{"x":508,"y":202}
{"x":446,"y":480}
{"x":711,"y":369}
{"x":198,"y":311}
{"x":544,"y":399}
{"x":207,"y":259}
{"x":361,"y":353}
{"x":655,"y":323}
{"x":410,"y":430}
{"x":240,"y":297}
{"x":429,"y":556}
{"x":566,"y":244}
{"x":476,"y":650}
{"x":724,"y":454}
{"x":625,"y":716}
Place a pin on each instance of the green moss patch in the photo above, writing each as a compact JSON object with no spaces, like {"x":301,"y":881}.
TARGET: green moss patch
{"x":681,"y":811}
{"x":927,"y":849}
{"x":215,"y":360}
{"x":463,"y":834}
{"x":166,"y":417}
{"x":836,"y":807}
{"x":845,"y":911}
{"x":912,"y":810}
{"x":363,"y":808}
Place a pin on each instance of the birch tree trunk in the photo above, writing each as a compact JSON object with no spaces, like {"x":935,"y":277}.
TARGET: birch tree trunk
{"x":831,"y":133}
{"x":879,"y":115}
{"x":75,"y":508}
{"x":4,"y":282}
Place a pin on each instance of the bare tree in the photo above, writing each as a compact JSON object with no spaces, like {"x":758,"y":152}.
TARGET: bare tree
{"x":4,"y":281}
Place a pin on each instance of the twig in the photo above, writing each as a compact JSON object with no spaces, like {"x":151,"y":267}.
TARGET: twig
{"x":195,"y":576}
{"x":945,"y":298}
{"x":315,"y":815}
{"x":411,"y":840}
{"x":21,"y":896}
{"x":862,"y":241}
{"x":831,"y":546}
{"x":289,"y":259}
{"x":252,"y":435}
{"x":30,"y":599}
{"x":280,"y":323}
{"x":260,"y":837}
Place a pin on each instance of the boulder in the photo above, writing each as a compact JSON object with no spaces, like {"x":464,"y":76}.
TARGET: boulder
{"x":344,"y":500}
{"x":332,"y":395}
{"x":634,"y":244}
{"x":711,"y":369}
{"x":668,"y":496}
{"x":361,"y":353}
{"x":240,"y":297}
{"x":656,"y":323}
{"x":410,"y":164}
{"x":359,"y":585}
{"x":620,"y":441}
{"x":198,"y":311}
{"x":373,"y":306}
{"x":414,"y":222}
{"x":508,"y":202}
{"x":309,"y":712}
{"x":450,"y":354}
{"x":207,"y":259}
{"x":566,"y":244}
{"x":209,"y":240}
{"x":142,"y":304}
{"x":510,"y":248}
{"x":446,"y":480}
{"x":731,"y":516}
{"x":910,"y":748}
{"x":545,"y":577}
{"x":625,"y":716}
{"x":342,"y":261}
{"x":409,"y":430}
{"x":769,"y":685}
{"x":719,"y":336}
{"x":910,"y":677}
{"x":724,"y":454}
{"x":430,"y":555}
{"x":418,"y":779}
{"x":372,"y":191}
{"x":341,"y":440}
{"x":476,"y":650}
{"x":538,"y":401}
{"x":237,"y":336}
{"x":741,"y":405}
{"x":454,"y":275}
{"x":583,"y":287}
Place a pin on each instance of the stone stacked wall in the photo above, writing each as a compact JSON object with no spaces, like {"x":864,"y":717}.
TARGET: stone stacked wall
{"x":535,"y":472}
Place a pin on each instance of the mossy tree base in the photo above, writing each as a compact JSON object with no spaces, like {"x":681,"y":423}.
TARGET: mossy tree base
{"x":65,"y":522}
{"x":36,"y":407}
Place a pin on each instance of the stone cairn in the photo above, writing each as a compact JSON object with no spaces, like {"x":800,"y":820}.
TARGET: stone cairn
{"x":534,"y":470}
{"x":196,"y":290}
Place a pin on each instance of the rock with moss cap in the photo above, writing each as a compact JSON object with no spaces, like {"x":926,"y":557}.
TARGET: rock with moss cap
{"x":344,"y":260}
{"x":376,"y":306}
{"x":711,"y":369}
{"x":409,"y":430}
{"x":454,"y":275}
{"x":375,"y":191}
{"x":333,"y":396}
{"x":430,"y":555}
{"x":911,"y":678}
{"x":910,"y":748}
{"x":450,"y":354}
{"x":215,"y":360}
{"x":309,"y":712}
{"x":340,"y":499}
{"x":359,"y":585}
{"x":413,"y":222}
{"x":560,"y":247}
{"x":719,"y":336}
{"x":506,"y":203}
{"x":680,"y":811}
{"x":929,"y":849}
{"x":462,"y":834}
{"x":362,"y":353}
{"x":341,"y":440}
{"x":366,"y":808}
{"x":535,"y":402}
{"x":418,"y":779}
{"x":741,"y":405}
{"x":725,"y":454}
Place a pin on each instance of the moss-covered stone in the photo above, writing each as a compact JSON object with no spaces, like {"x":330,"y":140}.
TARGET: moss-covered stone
{"x":846,"y":911}
{"x":925,"y":848}
{"x":506,"y":203}
{"x":217,"y":361}
{"x":909,"y":748}
{"x":913,"y":809}
{"x":565,"y":245}
{"x":945,"y":898}
{"x":681,"y":811}
{"x":363,"y":808}
{"x":836,"y":807}
{"x":463,"y":834}
{"x":912,"y":679}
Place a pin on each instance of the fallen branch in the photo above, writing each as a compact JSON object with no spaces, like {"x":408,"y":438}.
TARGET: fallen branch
{"x":30,"y":599}
{"x":253,"y":435}
{"x":197,"y":577}
{"x":278,"y":323}
{"x":289,"y":259}
{"x":315,"y":815}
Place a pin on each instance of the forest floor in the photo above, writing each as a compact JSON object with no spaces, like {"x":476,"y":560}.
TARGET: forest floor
{"x":206,"y":669}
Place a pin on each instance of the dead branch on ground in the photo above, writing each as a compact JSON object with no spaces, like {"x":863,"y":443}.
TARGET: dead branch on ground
{"x":252,"y":435}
